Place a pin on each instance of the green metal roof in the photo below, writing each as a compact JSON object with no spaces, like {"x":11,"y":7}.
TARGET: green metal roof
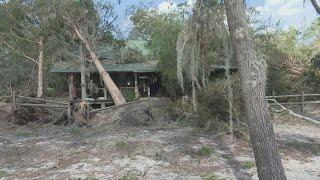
{"x":139,"y":45}
{"x":107,"y":51}
{"x":67,"y":67}
{"x":111,"y":55}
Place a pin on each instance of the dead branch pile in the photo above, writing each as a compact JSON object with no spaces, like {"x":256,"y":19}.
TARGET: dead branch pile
{"x":42,"y":115}
{"x":143,"y":113}
{"x":33,"y":110}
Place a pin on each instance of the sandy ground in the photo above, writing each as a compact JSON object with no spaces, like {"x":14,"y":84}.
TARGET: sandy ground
{"x":126,"y":152}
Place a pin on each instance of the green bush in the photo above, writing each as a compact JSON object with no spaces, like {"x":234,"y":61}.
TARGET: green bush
{"x":213,"y":106}
{"x":204,"y":151}
{"x":247,"y":165}
{"x":129,"y":94}
{"x":121,"y":145}
{"x":3,"y":173}
{"x":313,"y":75}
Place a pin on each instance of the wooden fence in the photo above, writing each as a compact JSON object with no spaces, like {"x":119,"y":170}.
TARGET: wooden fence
{"x":302,"y":99}
{"x":16,"y":100}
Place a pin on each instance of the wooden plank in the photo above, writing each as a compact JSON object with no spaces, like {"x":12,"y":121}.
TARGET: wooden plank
{"x":5,"y":97}
{"x":111,"y":107}
{"x":291,"y":95}
{"x":44,"y":100}
{"x":4,"y":106}
{"x":93,"y":101}
{"x":41,"y":105}
{"x":298,"y":103}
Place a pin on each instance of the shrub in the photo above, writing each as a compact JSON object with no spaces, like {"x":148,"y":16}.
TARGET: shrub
{"x":129,"y":94}
{"x":121,"y":145}
{"x":213,"y":106}
{"x":3,"y":173}
{"x":247,"y":165}
{"x":204,"y":151}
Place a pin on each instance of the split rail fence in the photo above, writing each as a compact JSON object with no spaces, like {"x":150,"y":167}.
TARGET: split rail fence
{"x":302,"y":99}
{"x":14,"y":101}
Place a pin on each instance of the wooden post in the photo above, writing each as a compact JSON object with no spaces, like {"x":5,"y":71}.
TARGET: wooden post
{"x":273,"y":93}
{"x":148,"y":102}
{"x":71,"y":95}
{"x":74,"y":94}
{"x":87,"y":116}
{"x":13,"y":108}
{"x":136,"y":89}
{"x":302,"y":102}
{"x":83,"y":75}
{"x":148,"y":92}
{"x":105,"y":95}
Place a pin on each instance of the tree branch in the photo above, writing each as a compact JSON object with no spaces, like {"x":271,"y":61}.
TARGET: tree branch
{"x":316,"y":6}
{"x":22,"y":38}
{"x":72,"y":54}
{"x":17,"y":52}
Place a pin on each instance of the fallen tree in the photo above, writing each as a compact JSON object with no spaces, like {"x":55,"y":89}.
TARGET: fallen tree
{"x":112,"y":87}
{"x":84,"y":20}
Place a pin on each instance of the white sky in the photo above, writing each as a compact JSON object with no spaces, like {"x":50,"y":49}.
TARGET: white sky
{"x":290,"y":12}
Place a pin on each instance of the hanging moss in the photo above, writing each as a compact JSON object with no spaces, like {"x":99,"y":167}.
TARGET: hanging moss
{"x":199,"y":45}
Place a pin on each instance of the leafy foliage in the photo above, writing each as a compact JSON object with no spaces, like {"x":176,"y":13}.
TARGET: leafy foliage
{"x":129,"y":94}
{"x":204,"y":151}
{"x":213,"y":106}
{"x":163,"y":30}
{"x":200,"y":41}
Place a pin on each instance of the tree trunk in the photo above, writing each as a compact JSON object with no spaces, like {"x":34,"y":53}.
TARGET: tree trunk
{"x":316,"y":6}
{"x":40,"y":69}
{"x":112,"y":87}
{"x":253,"y":76}
{"x":83,"y":75}
{"x":228,"y":55}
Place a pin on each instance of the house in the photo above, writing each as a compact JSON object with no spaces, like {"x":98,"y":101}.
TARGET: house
{"x":135,"y":79}
{"x":131,"y":67}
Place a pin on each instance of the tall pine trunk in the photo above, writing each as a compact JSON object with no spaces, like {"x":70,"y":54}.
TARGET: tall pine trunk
{"x":111,"y":86}
{"x":253,"y":76}
{"x":40,"y":69}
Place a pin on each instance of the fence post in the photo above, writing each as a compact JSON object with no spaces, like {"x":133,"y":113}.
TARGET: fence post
{"x":13,"y":108}
{"x":273,"y":93}
{"x":302,"y":102}
{"x":148,"y":103}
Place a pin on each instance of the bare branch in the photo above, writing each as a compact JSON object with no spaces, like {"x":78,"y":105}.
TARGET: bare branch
{"x":72,"y":54}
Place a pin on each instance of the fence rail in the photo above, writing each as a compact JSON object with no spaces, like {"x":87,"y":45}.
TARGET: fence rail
{"x":302,"y":96}
{"x":282,"y":108}
{"x":5,"y":97}
{"x":273,"y":100}
{"x":111,"y":107}
{"x":15,"y":101}
{"x":292,"y":95}
{"x":43,"y":100}
{"x":40,"y":105}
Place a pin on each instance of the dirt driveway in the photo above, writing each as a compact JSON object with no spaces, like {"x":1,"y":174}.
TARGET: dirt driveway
{"x":126,"y":152}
